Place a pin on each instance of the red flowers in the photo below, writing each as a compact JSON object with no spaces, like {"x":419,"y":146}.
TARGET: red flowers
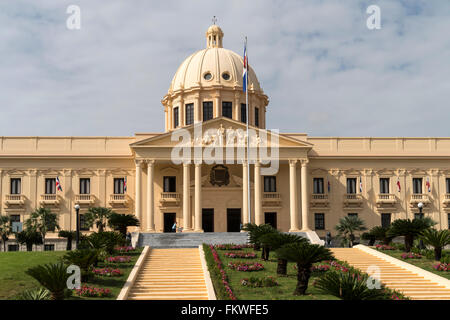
{"x":384,"y":247}
{"x":118,"y":259}
{"x":239,"y":255}
{"x":442,"y":266}
{"x":107,"y":272}
{"x":411,"y":255}
{"x":87,"y":291}
{"x":124,"y":249}
{"x":247,"y":267}
{"x":222,"y":273}
{"x":232,"y":246}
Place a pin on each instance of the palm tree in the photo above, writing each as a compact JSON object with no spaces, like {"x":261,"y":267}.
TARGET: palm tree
{"x":437,"y":239}
{"x":305,"y":255}
{"x":53,"y":277}
{"x":29,"y":237}
{"x":377,"y":233}
{"x":348,"y":226}
{"x":255,"y":233}
{"x":409,"y":229}
{"x":84,"y":259}
{"x":69,"y":235}
{"x":42,"y":220}
{"x":98,"y":216}
{"x":120,"y":222}
{"x":5,"y":230}
{"x":276,"y":240}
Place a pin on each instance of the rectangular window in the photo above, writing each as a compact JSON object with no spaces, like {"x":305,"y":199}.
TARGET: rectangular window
{"x":384,"y":185}
{"x":85,"y":186}
{"x":243,"y":113}
{"x":353,"y":215}
{"x":176,"y":117}
{"x":49,"y":247}
{"x":447,"y":184}
{"x":207,"y":110}
{"x":385,"y":220}
{"x":16,"y":185}
{"x":119,"y":185}
{"x":318,"y":186}
{"x":227,"y":109}
{"x":189,"y":113}
{"x":256,"y":117}
{"x":351,"y":185}
{"x":319,"y":221}
{"x":50,"y":185}
{"x":417,"y":185}
{"x":13,"y":247}
{"x":83,"y":225}
{"x":270,"y":184}
{"x":170,"y":184}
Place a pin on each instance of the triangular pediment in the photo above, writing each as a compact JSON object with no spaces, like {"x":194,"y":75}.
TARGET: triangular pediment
{"x":222,"y":126}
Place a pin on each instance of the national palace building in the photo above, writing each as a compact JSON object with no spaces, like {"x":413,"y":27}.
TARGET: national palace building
{"x":319,"y":180}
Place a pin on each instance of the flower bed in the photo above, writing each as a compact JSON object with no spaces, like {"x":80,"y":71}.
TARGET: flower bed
{"x":411,"y":255}
{"x":327,"y":265}
{"x":320,"y":268}
{"x":384,"y":247}
{"x":118,"y":259}
{"x":223,"y":276}
{"x":87,"y":291}
{"x":246,"y":267}
{"x":242,"y":255}
{"x":442,"y":266}
{"x":231,"y":246}
{"x":107,"y":272}
{"x":259,"y":282}
{"x":124,"y":249}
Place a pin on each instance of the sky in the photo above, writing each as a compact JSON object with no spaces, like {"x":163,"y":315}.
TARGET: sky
{"x":325,"y":72}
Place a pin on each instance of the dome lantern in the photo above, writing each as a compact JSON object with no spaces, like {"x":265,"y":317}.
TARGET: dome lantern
{"x":214,"y":37}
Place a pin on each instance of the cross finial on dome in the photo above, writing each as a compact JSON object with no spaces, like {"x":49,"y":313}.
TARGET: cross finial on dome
{"x":214,"y":36}
{"x":214,"y":20}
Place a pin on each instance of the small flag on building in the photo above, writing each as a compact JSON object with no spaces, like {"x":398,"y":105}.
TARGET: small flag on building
{"x":58,"y":184}
{"x":245,"y":71}
{"x":360,"y":184}
{"x":125,"y":184}
{"x":398,"y":185}
{"x":428,"y":184}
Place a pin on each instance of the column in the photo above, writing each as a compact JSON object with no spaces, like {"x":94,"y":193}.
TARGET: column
{"x":293,"y":195}
{"x":186,"y":198}
{"x":245,"y":186}
{"x":138,"y":190}
{"x":237,"y":107}
{"x":258,"y":207}
{"x":217,"y":107}
{"x":181,"y":110}
{"x":198,"y":198}
{"x":150,"y":196}
{"x":304,"y":181}
{"x":198,"y":109}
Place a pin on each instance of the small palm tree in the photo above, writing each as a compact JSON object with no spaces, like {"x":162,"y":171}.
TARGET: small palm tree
{"x":69,"y":235}
{"x":29,"y":237}
{"x":348,"y":226}
{"x":85,"y":259}
{"x":255,"y":232}
{"x":349,"y":286}
{"x":42,"y":220}
{"x":276,"y":240}
{"x":98,"y":216}
{"x":377,"y":233}
{"x":5,"y":230}
{"x":409,"y":229}
{"x":305,"y":255}
{"x":35,"y":294}
{"x":120,"y":222}
{"x":437,"y":239}
{"x":53,"y":277}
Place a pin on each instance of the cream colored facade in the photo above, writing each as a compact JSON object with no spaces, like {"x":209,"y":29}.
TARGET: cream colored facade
{"x":214,"y":76}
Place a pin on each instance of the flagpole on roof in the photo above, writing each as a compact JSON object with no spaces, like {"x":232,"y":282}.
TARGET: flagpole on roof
{"x":248,"y":138}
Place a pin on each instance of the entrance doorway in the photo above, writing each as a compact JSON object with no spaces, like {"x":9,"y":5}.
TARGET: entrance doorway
{"x":208,"y":220}
{"x":169,"y":220}
{"x":270,"y":218}
{"x":234,"y":220}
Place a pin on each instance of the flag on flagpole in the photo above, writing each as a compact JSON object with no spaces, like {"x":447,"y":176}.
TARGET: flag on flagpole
{"x":58,"y":184}
{"x":428,"y":184}
{"x":398,"y":184}
{"x":245,"y":71}
{"x":125,"y":184}
{"x":360,"y":184}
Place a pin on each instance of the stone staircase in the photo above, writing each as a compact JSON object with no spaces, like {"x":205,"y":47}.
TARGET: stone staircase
{"x":170,"y":274}
{"x":192,"y":239}
{"x":393,"y":276}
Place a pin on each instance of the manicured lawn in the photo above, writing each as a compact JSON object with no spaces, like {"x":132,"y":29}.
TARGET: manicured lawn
{"x":424,"y":263}
{"x":282,"y":292}
{"x":14,"y":280}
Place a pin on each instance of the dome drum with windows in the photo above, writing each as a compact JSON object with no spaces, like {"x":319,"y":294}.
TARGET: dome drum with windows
{"x":208,"y":84}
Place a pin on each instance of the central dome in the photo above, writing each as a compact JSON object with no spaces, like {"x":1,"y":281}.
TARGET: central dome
{"x":213,"y":66}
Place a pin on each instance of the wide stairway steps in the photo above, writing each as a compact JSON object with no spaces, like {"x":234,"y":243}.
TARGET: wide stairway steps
{"x":170,"y":274}
{"x":394,"y":277}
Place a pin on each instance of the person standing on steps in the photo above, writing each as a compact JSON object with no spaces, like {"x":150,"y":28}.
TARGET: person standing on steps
{"x":328,"y":239}
{"x":174,"y":227}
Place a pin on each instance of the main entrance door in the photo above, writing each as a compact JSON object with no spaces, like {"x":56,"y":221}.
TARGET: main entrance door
{"x":270,"y":218}
{"x":234,"y":220}
{"x":208,"y":220}
{"x":169,"y":220}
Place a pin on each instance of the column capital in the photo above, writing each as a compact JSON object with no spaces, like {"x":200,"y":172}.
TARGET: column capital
{"x":304,"y":162}
{"x":138,"y":162}
{"x":186,"y":164}
{"x":292,"y":162}
{"x":150,"y":162}
{"x":257,"y":164}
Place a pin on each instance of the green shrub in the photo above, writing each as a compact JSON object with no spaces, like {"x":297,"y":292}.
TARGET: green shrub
{"x":107,"y":241}
{"x":256,"y":282}
{"x":85,"y":259}
{"x":445,"y":259}
{"x":35,"y":294}
{"x":53,"y":277}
